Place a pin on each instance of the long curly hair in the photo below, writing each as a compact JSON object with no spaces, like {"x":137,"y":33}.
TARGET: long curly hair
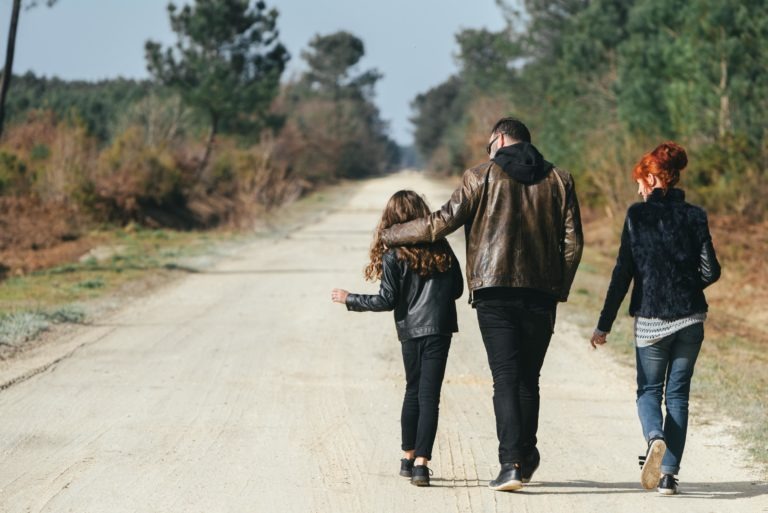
{"x":424,"y":259}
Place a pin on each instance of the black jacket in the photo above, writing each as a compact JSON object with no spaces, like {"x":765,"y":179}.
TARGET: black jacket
{"x":667,"y":250}
{"x":423,"y":306}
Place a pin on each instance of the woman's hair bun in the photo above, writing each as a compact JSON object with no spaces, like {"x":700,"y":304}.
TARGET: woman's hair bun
{"x":671,"y":156}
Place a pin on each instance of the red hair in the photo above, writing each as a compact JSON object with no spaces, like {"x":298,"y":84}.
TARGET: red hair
{"x":665,"y":163}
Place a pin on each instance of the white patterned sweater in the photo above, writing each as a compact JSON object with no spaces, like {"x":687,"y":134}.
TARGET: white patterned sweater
{"x":648,"y":331}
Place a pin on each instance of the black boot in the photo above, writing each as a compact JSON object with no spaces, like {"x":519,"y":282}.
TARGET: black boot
{"x":406,"y":467}
{"x":529,"y":465}
{"x":420,"y":475}
{"x":510,"y":478}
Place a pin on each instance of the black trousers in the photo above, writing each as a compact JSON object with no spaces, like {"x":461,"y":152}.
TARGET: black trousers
{"x":516,"y":334}
{"x":424,"y":359}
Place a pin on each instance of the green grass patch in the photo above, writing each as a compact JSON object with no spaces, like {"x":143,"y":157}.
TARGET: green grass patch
{"x":120,"y":256}
{"x":19,"y":327}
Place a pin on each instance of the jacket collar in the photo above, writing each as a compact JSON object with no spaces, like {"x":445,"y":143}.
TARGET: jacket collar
{"x":659,"y":195}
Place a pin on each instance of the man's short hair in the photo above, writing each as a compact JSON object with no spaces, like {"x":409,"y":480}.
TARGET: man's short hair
{"x":512,"y":127}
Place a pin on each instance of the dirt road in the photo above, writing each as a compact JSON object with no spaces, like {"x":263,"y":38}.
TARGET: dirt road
{"x":244,"y":389}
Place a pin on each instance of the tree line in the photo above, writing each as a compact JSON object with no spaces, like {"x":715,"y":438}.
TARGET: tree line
{"x":603,"y":81}
{"x":214,"y":135}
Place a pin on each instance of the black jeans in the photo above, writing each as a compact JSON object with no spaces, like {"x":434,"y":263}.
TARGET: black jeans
{"x":424,"y":359}
{"x":516,"y":334}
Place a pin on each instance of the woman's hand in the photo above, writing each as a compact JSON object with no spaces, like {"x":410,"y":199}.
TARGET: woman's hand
{"x":598,"y":338}
{"x":339,"y":296}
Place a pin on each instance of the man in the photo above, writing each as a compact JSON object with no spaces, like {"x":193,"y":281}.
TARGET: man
{"x":524,"y":242}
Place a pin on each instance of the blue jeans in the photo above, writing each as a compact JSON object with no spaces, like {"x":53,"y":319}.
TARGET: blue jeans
{"x":666,"y":368}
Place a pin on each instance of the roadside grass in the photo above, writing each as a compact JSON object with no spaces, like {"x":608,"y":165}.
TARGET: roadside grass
{"x":119,"y":257}
{"x":30,"y":304}
{"x":122,"y":262}
{"x":19,"y":327}
{"x":731,"y":378}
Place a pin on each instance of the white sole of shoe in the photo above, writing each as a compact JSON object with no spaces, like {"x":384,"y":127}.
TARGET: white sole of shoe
{"x":509,"y":486}
{"x":650,"y":474}
{"x":667,"y":491}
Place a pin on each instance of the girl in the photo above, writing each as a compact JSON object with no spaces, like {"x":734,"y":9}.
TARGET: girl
{"x":667,"y":250}
{"x":420,"y":283}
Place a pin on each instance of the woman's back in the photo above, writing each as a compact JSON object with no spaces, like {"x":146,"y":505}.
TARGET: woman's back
{"x":667,"y":237}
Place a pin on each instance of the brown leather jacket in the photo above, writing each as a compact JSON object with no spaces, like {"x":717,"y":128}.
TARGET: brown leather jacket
{"x":521,"y":219}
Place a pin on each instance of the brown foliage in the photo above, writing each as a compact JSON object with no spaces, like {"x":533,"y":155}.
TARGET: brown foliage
{"x":33,"y":233}
{"x":325,"y":140}
{"x":242,"y":183}
{"x":55,"y":182}
{"x":484,"y":112}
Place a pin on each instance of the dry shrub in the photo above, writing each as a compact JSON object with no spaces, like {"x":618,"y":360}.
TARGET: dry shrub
{"x":53,"y":157}
{"x":610,"y":155}
{"x":483,"y":112}
{"x":147,"y":174}
{"x":242,"y":183}
{"x":446,"y":160}
{"x":29,"y":223}
{"x":38,"y":129}
{"x":68,"y":170}
{"x":324,"y":140}
{"x":132,"y":181}
{"x":36,"y":234}
{"x":26,"y":148}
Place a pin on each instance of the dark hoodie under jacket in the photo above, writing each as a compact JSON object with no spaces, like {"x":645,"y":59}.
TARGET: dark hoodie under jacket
{"x":521,"y":220}
{"x":523,"y":162}
{"x":423,"y":305}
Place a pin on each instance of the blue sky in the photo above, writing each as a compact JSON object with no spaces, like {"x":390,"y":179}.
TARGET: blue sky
{"x":410,"y":41}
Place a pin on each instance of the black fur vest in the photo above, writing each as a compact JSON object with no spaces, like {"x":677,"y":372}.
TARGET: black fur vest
{"x":666,"y":249}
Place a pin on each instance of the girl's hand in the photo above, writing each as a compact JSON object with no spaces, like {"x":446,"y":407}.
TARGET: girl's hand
{"x":598,"y":339}
{"x":339,"y":296}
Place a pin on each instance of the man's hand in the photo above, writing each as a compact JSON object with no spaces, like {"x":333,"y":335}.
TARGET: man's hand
{"x":339,"y":296}
{"x":598,"y":339}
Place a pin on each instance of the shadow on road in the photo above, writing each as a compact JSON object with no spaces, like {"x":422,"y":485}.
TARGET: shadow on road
{"x":722,"y":490}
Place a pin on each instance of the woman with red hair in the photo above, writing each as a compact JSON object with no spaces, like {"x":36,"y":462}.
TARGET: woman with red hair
{"x":666,"y":250}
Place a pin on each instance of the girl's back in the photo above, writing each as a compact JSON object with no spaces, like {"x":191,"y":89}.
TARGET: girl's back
{"x":423,"y":304}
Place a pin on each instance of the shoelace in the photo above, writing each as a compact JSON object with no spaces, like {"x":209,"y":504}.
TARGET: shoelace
{"x":641,"y":460}
{"x":674,"y":480}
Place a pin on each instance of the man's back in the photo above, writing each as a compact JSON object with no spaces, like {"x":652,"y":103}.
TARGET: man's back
{"x":521,"y":219}
{"x":516,"y":236}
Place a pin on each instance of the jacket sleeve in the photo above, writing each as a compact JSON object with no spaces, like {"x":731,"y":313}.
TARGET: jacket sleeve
{"x":709,"y":267}
{"x":620,"y":280}
{"x":458,"y":279}
{"x":438,"y":224}
{"x":572,"y":243}
{"x":386,"y":299}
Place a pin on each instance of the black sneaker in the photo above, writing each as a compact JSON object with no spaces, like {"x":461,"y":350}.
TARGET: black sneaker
{"x":667,"y":485}
{"x":510,"y":478}
{"x":406,"y":467}
{"x":420,"y":475}
{"x":650,"y":464}
{"x":529,"y":465}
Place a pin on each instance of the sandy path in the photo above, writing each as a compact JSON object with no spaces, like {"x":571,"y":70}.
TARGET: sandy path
{"x":244,"y":389}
